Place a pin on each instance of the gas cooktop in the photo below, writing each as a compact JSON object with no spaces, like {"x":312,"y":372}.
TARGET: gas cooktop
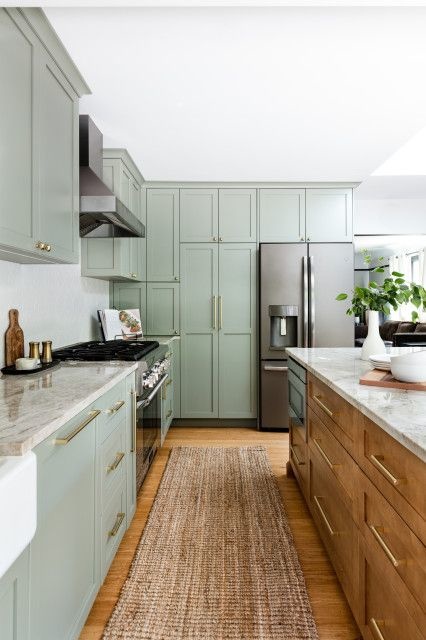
{"x":109,"y":350}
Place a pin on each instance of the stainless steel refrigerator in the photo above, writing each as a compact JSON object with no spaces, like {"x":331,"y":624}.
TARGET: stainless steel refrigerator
{"x":298,"y":307}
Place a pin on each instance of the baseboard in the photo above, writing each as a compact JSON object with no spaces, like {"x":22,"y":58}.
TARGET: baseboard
{"x":215,"y":422}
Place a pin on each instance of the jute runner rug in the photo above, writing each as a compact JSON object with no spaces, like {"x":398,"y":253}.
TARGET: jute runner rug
{"x":216,"y":560}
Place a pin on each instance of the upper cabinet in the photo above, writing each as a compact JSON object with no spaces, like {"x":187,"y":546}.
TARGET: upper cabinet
{"x":120,"y":259}
{"x":281,"y":215}
{"x":329,"y":215}
{"x":162,"y":230}
{"x":39,"y":133}
{"x":237,"y":215}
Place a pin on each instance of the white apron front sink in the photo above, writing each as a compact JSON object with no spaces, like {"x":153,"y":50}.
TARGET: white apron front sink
{"x":18,"y":506}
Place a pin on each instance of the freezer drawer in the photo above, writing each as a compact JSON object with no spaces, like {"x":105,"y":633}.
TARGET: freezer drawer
{"x":273,"y":394}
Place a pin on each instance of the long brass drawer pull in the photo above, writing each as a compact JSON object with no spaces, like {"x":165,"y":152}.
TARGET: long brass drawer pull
{"x":375,"y":626}
{"x":134,"y":421}
{"x":118,"y":523}
{"x":92,"y":415}
{"x":116,"y":407}
{"x":376,"y":533}
{"x":220,"y":312}
{"x":215,"y":312}
{"x":118,"y":458}
{"x":377,"y":461}
{"x":296,"y":457}
{"x":322,"y":405}
{"x":332,"y":465}
{"x":169,"y":413}
{"x":331,"y":531}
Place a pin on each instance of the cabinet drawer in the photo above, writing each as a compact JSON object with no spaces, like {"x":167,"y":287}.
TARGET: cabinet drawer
{"x":113,"y":410}
{"x":396,"y":546}
{"x":339,"y":416}
{"x":299,"y":457}
{"x":113,"y":526}
{"x":383,"y":615}
{"x":337,"y":459}
{"x":397,"y":473}
{"x":335,"y":524}
{"x":113,"y":461}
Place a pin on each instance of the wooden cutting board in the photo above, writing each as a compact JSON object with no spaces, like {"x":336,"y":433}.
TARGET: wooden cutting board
{"x":376,"y":378}
{"x":14,"y":338}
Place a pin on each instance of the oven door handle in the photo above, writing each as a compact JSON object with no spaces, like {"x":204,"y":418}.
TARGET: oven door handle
{"x":148,"y":400}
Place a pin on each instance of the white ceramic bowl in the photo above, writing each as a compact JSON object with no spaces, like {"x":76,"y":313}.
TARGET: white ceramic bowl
{"x":410,"y":367}
{"x":23,"y":364}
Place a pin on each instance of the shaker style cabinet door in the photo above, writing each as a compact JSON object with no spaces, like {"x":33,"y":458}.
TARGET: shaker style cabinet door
{"x":281,"y":215}
{"x":237,"y":215}
{"x":14,"y":599}
{"x":199,"y":336}
{"x":329,"y":215}
{"x":162,"y":303}
{"x":162,"y":235}
{"x":237,"y":331}
{"x":131,"y":295}
{"x":199,"y":215}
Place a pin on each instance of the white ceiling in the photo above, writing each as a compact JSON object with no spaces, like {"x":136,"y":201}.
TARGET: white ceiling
{"x":293,"y":94}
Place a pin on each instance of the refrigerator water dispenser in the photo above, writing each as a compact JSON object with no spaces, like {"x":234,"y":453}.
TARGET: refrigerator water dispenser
{"x":283,"y":326}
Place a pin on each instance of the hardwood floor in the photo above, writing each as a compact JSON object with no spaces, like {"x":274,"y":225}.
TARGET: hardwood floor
{"x":333,"y":617}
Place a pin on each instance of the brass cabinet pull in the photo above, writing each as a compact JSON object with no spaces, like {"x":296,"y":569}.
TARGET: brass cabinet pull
{"x":220,"y":239}
{"x":215,"y":312}
{"x":134,"y":420}
{"x":169,"y":413}
{"x":118,"y":458}
{"x":377,"y":461}
{"x":322,"y":405}
{"x":116,"y":407}
{"x":48,"y":247}
{"x":295,"y":456}
{"x":92,"y":415}
{"x":220,"y":312}
{"x":375,"y":626}
{"x":214,"y":239}
{"x":324,"y":517}
{"x":324,"y":455}
{"x":117,"y":525}
{"x":376,"y":533}
{"x":40,"y":245}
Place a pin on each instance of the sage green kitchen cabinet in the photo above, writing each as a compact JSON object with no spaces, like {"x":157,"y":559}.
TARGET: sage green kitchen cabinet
{"x":167,"y":393}
{"x":131,"y":295}
{"x":162,"y":309}
{"x":120,"y":259}
{"x":39,"y":133}
{"x":237,"y":215}
{"x":162,"y":229}
{"x":237,"y":331}
{"x":14,"y":600}
{"x":329,"y":215}
{"x":131,"y":447}
{"x":199,"y":215}
{"x":282,"y":215}
{"x":175,"y":347}
{"x":199,"y":330}
{"x":64,"y":558}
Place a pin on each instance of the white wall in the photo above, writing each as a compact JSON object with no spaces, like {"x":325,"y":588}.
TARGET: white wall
{"x":390,"y":216}
{"x":54,"y":302}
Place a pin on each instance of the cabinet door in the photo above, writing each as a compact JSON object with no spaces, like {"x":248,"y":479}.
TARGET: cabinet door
{"x":281,"y":215}
{"x":131,"y":296}
{"x":329,"y":215}
{"x":199,"y":340}
{"x":199,"y":215}
{"x":57,"y":162}
{"x":162,"y":303}
{"x":17,"y":218}
{"x":64,"y":557}
{"x":237,"y":215}
{"x":110,"y":258}
{"x":176,"y":377}
{"x":130,"y":447}
{"x":14,"y":599}
{"x":162,"y":228}
{"x":237,"y":331}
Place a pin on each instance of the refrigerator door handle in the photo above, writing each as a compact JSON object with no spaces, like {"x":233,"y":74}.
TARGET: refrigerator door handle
{"x":312,"y":301}
{"x":269,"y":368}
{"x":305,"y":303}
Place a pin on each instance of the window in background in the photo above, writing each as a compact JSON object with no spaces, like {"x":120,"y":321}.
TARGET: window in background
{"x":415,"y":268}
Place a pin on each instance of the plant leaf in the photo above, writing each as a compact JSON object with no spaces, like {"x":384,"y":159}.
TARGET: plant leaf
{"x":342,"y":296}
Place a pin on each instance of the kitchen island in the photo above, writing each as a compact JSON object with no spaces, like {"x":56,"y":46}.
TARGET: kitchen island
{"x":358,"y":454}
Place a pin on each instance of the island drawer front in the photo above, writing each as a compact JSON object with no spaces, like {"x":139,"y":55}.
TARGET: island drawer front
{"x":335,"y":524}
{"x":397,"y":473}
{"x":113,"y":526}
{"x":337,"y":459}
{"x":113,"y":410}
{"x":299,"y":457}
{"x":297,"y":369}
{"x":335,"y":412}
{"x":113,"y":461}
{"x":397,"y":548}
{"x":382,"y":614}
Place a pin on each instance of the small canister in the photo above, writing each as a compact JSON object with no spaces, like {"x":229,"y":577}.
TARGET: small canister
{"x":35,"y":351}
{"x":46,"y":353}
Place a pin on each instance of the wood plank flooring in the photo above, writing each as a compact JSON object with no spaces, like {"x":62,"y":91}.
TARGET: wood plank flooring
{"x":333,"y":617}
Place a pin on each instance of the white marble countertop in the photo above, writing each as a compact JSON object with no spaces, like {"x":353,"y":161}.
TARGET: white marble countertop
{"x":402,"y":414}
{"x":33,"y":406}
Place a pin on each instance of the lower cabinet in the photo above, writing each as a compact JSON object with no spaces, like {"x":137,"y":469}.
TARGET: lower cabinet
{"x":14,"y":597}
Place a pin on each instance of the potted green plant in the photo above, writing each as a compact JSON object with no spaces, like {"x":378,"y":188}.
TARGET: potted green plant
{"x":393,"y":292}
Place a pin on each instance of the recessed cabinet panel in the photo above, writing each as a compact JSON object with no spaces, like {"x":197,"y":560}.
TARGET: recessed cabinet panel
{"x":199,"y":215}
{"x":162,"y":302}
{"x":199,"y":367}
{"x":237,"y":215}
{"x":281,"y":215}
{"x":14,"y":599}
{"x":329,"y":215}
{"x":128,"y":295}
{"x":162,"y":229}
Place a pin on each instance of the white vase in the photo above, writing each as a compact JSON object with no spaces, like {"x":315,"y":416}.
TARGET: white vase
{"x":373,"y":344}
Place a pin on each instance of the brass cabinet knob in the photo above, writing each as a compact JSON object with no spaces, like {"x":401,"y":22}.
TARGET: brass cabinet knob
{"x":47,"y":247}
{"x":40,"y":245}
{"x":133,"y":275}
{"x":302,"y":239}
{"x":177,"y":278}
{"x":220,"y":239}
{"x":308,"y":239}
{"x":214,"y":239}
{"x":176,"y":332}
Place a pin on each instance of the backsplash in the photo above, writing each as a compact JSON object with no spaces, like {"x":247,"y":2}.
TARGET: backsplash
{"x":54,"y":302}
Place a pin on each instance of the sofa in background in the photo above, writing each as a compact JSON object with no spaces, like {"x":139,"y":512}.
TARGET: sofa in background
{"x":395,"y":333}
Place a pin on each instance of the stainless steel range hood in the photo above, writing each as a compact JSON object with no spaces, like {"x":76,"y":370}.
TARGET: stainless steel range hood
{"x":102,"y":214}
